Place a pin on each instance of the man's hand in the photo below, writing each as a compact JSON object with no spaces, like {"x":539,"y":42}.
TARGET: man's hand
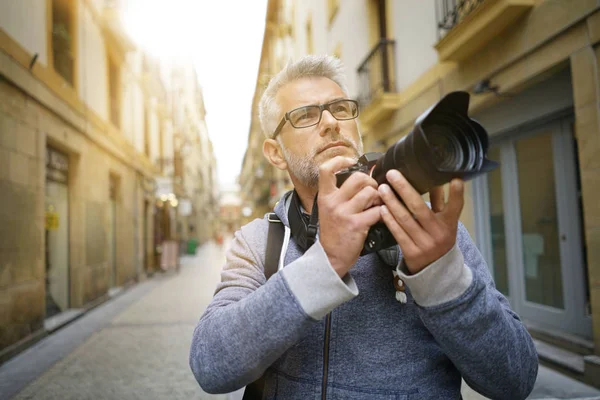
{"x":424,"y":234}
{"x":345,"y":213}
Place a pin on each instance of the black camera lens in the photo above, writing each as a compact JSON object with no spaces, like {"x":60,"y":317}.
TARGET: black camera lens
{"x":446,"y":149}
{"x":454,"y":144}
{"x":444,"y":144}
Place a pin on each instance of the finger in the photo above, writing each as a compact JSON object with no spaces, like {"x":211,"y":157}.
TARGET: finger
{"x":366,"y":198}
{"x":353,"y":185}
{"x":412,"y":199}
{"x":402,"y":216}
{"x":456,"y":199}
{"x":436,"y":196}
{"x":404,"y":240}
{"x":327,"y":170}
{"x":369,"y":217}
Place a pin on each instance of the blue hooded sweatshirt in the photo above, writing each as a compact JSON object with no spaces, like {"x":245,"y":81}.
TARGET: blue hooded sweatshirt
{"x":317,"y":336}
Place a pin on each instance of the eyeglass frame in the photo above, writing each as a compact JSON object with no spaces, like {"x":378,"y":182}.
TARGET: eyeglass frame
{"x":322,"y":107}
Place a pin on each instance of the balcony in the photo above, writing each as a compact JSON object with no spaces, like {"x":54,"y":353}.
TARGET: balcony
{"x":465,"y":26}
{"x":377,"y":85}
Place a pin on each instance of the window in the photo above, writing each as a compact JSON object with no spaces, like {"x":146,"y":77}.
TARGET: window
{"x":332,"y":9}
{"x":114,"y":92}
{"x":63,"y":45}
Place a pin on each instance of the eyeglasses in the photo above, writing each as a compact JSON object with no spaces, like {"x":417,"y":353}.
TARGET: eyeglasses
{"x":307,"y":116}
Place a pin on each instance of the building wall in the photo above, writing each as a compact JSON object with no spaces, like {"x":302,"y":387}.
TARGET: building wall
{"x":32,"y":35}
{"x":586,"y":88}
{"x":38,"y":109}
{"x":139,"y":121}
{"x":22,"y":154}
{"x":154,"y":129}
{"x":414,"y":30}
{"x":27,"y":128}
{"x":353,"y":39}
{"x":91,"y":64}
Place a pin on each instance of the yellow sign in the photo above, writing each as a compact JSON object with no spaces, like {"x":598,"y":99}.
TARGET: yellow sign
{"x":51,"y":220}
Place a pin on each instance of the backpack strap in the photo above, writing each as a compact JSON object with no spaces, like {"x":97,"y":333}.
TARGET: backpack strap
{"x":275,"y":237}
{"x":274,"y":243}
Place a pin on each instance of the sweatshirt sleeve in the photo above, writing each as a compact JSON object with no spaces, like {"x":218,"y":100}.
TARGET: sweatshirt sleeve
{"x":250,"y":323}
{"x":473,"y":322}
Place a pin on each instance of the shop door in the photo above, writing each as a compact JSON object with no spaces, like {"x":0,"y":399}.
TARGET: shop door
{"x":529,"y":216}
{"x":57,"y":233}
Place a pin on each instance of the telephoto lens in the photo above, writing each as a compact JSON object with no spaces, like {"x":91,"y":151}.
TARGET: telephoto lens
{"x":444,"y":144}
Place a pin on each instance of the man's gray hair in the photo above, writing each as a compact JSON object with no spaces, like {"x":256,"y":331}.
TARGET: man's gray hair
{"x":308,"y":66}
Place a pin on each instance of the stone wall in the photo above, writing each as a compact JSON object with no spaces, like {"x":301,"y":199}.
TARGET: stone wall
{"x":586,"y":81}
{"x":22,"y":152}
{"x":26,"y":128}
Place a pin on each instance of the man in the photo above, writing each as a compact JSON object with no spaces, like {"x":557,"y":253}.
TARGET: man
{"x":330,"y":324}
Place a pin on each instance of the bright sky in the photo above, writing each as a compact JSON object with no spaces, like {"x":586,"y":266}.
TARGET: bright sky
{"x":223,"y":39}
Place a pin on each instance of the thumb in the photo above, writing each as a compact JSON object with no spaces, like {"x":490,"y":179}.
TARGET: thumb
{"x":327,"y":171}
{"x":456,"y":199}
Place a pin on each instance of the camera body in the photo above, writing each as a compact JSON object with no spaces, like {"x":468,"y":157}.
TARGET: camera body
{"x":444,"y":144}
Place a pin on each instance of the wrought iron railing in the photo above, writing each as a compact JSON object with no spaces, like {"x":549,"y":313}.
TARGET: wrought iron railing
{"x":451,"y":12}
{"x":376,"y":72}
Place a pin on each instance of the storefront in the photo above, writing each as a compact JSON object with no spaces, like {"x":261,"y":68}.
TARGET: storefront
{"x":528,"y":212}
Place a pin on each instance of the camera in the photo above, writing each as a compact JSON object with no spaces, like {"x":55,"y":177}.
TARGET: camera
{"x":445,"y":143}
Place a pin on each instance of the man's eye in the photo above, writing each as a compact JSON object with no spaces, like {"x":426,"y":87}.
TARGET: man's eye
{"x":341,"y":109}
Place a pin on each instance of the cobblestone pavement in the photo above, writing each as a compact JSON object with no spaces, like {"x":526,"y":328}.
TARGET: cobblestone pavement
{"x":140,"y":351}
{"x":143,"y":352}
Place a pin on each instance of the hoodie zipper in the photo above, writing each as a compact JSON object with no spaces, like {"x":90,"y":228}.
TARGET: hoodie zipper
{"x":326,"y":356}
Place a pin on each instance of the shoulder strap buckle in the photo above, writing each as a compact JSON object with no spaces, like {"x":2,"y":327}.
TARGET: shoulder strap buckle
{"x":272,"y":217}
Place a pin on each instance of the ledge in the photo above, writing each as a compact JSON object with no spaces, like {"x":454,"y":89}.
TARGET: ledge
{"x":479,"y":27}
{"x":381,"y":107}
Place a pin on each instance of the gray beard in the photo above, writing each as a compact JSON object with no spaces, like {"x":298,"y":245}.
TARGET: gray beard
{"x":305,"y":169}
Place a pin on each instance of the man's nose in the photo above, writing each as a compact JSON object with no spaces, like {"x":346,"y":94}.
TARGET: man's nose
{"x":328,"y":123}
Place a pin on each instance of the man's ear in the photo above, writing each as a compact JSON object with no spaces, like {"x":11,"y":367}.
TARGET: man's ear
{"x":273,"y":153}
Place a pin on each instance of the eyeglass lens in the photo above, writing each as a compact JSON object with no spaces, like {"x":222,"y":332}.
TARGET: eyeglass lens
{"x":310,"y":115}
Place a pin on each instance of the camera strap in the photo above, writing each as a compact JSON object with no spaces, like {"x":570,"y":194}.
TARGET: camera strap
{"x":313,"y":223}
{"x":303,"y":227}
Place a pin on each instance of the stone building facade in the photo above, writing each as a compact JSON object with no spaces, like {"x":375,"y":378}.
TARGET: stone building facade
{"x":85,"y":125}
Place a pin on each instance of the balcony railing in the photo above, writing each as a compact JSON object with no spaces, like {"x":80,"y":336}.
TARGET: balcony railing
{"x":451,"y":12}
{"x":376,"y":73}
{"x":465,"y":27}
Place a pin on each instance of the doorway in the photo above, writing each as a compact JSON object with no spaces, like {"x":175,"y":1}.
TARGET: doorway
{"x":529,"y":227}
{"x":146,"y":259}
{"x":57,"y":232}
{"x":112,"y":232}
